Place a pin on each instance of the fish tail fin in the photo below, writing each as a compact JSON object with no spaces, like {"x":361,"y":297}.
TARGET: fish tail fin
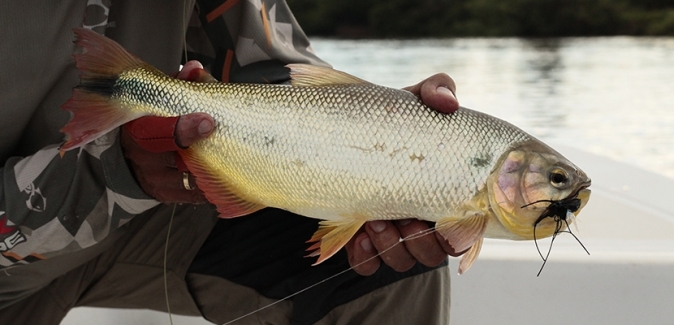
{"x":94,"y":113}
{"x":332,"y":236}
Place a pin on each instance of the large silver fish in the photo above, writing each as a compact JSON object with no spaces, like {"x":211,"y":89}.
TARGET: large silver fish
{"x":337,"y":148}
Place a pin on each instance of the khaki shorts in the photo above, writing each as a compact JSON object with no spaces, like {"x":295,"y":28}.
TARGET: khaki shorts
{"x":130,"y":275}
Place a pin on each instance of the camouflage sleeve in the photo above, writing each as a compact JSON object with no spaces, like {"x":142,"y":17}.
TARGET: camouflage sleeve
{"x":248,"y":41}
{"x":51,"y":205}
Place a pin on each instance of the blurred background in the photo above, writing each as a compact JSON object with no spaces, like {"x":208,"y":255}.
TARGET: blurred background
{"x":593,"y":78}
{"x":483,"y":18}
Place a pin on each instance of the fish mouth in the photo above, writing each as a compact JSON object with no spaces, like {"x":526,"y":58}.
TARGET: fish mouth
{"x":584,"y":188}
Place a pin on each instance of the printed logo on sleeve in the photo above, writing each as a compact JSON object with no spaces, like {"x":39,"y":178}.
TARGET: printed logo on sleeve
{"x":36,"y":201}
{"x":10,"y":235}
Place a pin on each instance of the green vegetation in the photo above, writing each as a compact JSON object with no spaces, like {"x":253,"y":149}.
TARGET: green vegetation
{"x":446,"y":18}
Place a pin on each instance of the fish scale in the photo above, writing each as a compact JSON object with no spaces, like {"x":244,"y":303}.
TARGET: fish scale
{"x":337,"y":148}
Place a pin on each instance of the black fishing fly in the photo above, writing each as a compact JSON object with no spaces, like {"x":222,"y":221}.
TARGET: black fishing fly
{"x":558,"y":211}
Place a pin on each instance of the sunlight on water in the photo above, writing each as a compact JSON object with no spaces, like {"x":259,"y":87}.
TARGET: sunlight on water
{"x":609,"y":96}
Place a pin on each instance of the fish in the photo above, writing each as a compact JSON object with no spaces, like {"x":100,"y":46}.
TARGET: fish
{"x":337,"y":148}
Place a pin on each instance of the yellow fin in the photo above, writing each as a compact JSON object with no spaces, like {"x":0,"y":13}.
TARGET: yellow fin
{"x":332,"y":236}
{"x":228,"y":203}
{"x":313,"y":75}
{"x":462,"y":233}
{"x":470,"y":256}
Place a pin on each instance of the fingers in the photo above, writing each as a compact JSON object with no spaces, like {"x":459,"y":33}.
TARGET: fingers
{"x":194,"y":71}
{"x":362,"y":255}
{"x":384,"y":236}
{"x":438,"y":92}
{"x":426,"y":249}
{"x":192,"y":128}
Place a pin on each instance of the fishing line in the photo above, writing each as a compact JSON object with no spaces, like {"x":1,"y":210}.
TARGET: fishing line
{"x":9,"y":268}
{"x":168,"y":235}
{"x":185,"y":29}
{"x":175,"y":205}
{"x":410,"y":237}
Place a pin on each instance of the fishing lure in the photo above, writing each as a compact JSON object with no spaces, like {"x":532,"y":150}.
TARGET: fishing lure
{"x":560,"y":211}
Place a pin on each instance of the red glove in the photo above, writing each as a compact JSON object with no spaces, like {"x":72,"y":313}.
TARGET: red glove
{"x":151,"y":146}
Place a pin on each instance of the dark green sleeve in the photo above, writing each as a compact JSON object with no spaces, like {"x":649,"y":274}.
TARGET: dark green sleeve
{"x":51,"y":205}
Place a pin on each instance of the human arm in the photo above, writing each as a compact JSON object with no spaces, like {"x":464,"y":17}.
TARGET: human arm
{"x":52,"y":205}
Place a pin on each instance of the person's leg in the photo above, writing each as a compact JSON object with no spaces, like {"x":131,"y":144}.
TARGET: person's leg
{"x":247,"y":263}
{"x":421,"y":299}
{"x":133,"y":275}
{"x":129,"y":274}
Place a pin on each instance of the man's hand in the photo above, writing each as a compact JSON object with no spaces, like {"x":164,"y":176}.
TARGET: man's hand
{"x":438,"y":92}
{"x":151,"y":143}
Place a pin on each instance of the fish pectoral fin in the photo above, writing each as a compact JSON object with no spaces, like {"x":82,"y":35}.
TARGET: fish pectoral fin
{"x":228,"y":203}
{"x":470,"y":256}
{"x":332,"y":235}
{"x":312,"y":75}
{"x":462,"y":233}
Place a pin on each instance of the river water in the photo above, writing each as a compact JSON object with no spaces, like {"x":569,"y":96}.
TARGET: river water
{"x":610,"y":96}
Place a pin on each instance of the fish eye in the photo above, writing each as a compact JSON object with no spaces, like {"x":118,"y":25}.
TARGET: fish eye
{"x":558,"y":177}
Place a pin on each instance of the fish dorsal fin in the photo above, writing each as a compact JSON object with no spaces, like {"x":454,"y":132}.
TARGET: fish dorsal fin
{"x":304,"y":75}
{"x":462,"y":233}
{"x":225,"y":198}
{"x":332,"y":235}
{"x":470,"y":256}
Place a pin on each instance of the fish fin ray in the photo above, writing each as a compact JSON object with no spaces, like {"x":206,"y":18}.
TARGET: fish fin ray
{"x":332,"y":235}
{"x":228,"y":203}
{"x":102,"y":57}
{"x":94,"y":112}
{"x":93,"y":115}
{"x":470,"y":256}
{"x":312,"y":75}
{"x":462,"y":233}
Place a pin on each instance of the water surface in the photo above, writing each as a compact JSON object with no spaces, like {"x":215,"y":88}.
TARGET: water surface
{"x":611,"y":96}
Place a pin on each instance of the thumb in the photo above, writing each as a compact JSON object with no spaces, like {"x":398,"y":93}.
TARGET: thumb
{"x":192,"y":128}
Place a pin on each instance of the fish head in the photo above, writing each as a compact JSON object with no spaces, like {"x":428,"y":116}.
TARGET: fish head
{"x":534,"y":188}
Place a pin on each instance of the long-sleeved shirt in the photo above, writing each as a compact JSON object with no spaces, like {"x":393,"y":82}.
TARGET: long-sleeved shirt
{"x":66,"y":207}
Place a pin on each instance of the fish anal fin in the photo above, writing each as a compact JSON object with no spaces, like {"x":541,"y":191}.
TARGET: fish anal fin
{"x":332,"y":235}
{"x":462,"y":233}
{"x":470,"y":256}
{"x":229,"y":204}
{"x":313,"y":75}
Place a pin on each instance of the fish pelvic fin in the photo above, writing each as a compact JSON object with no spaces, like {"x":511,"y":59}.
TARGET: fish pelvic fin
{"x":313,"y":75}
{"x":332,"y":235}
{"x":464,"y":233}
{"x":470,"y":256}
{"x":229,"y":204}
{"x":94,"y":112}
